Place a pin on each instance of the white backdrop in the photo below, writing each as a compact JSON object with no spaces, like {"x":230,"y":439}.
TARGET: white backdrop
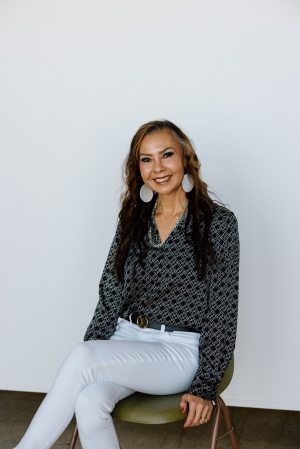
{"x":77,"y":79}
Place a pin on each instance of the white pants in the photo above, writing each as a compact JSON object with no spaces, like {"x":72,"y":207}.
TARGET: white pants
{"x":97,"y":374}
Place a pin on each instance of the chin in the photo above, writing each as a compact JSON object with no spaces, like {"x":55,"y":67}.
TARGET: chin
{"x":167,"y":191}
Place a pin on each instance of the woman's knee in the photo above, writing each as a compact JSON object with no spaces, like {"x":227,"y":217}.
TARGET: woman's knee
{"x":81,"y":352}
{"x":78,"y":361}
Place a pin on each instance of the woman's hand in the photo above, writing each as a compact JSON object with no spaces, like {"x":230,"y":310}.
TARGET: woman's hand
{"x":200,"y":410}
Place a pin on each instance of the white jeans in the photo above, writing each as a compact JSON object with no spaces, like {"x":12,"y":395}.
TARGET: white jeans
{"x":97,"y":374}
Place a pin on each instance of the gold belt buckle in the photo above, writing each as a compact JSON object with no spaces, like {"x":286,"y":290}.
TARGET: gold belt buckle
{"x":142,"y":321}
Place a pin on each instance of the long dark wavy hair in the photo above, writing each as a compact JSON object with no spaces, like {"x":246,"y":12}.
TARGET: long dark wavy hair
{"x":135,"y":214}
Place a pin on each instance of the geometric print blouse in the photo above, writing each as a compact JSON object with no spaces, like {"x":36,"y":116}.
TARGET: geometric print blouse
{"x":168,"y":291}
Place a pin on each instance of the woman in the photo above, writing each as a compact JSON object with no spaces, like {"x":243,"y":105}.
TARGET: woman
{"x":172,"y":275}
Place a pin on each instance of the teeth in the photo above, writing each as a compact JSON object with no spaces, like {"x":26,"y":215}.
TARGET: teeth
{"x":163,"y":179}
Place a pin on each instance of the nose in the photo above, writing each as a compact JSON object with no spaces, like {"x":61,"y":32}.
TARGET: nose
{"x":158,"y":165}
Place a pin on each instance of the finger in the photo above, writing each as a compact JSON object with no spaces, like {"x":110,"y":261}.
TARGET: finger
{"x":183,"y":404}
{"x":183,"y":408}
{"x":204,"y":417}
{"x":209,"y":413}
{"x":184,"y":400}
{"x":190,"y":416}
{"x":198,"y":415}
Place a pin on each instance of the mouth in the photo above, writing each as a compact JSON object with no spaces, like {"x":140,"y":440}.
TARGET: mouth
{"x":163,"y":180}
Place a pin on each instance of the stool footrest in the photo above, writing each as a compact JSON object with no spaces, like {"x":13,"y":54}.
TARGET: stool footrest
{"x":225,"y":434}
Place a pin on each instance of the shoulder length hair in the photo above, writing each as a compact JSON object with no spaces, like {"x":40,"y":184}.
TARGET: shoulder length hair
{"x":134,"y":215}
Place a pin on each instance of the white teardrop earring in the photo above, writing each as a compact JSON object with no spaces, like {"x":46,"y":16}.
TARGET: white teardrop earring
{"x":187,"y":183}
{"x":146,"y":194}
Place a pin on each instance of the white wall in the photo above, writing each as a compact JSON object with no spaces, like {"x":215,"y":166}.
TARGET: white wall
{"x":77,"y":79}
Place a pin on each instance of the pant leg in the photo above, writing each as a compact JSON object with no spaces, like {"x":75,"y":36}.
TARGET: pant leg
{"x":160,"y":367}
{"x":93,"y":408}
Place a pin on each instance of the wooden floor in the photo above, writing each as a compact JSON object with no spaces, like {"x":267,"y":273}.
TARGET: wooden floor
{"x":256,"y":428}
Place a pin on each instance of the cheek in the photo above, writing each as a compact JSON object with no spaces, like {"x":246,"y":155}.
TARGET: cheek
{"x":143,"y":171}
{"x":176,"y":165}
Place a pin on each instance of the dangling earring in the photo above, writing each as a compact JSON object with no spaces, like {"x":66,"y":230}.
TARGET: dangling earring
{"x":146,"y":194}
{"x":187,"y":183}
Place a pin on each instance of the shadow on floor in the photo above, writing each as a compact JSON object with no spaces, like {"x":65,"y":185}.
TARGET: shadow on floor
{"x":256,"y":428}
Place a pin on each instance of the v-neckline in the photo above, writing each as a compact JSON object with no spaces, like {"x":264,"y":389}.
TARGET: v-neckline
{"x":177,"y":223}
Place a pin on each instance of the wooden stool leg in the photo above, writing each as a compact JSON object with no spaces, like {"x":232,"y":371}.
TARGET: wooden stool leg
{"x":74,"y":437}
{"x":216,"y":424}
{"x":230,"y":429}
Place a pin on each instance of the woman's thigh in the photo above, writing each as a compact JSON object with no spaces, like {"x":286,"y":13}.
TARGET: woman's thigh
{"x":148,"y":367}
{"x":143,"y":360}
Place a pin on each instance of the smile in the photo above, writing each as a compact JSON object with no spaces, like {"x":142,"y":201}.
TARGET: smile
{"x":162,"y":180}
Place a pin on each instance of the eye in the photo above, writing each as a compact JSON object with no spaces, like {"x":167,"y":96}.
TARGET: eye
{"x":168,"y":154}
{"x":145,"y":159}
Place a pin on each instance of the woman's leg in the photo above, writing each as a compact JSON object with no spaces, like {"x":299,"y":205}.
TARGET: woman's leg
{"x":93,"y":408}
{"x":144,"y":365}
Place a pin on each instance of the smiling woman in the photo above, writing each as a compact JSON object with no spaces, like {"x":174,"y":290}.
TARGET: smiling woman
{"x":162,"y":166}
{"x":172,"y":275}
{"x":161,"y":158}
{"x":160,"y":150}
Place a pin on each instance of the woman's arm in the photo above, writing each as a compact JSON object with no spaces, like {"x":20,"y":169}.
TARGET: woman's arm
{"x":218,"y":334}
{"x":105,"y":318}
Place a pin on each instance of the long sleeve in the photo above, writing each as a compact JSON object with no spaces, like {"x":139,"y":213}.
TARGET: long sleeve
{"x":218,"y":333}
{"x":106,"y":314}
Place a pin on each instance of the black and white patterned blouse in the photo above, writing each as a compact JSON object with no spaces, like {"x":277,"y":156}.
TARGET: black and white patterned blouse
{"x":169,"y":292}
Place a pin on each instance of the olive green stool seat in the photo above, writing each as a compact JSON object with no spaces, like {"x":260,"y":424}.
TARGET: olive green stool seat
{"x":149,"y":409}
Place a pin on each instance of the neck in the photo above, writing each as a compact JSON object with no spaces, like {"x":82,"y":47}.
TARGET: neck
{"x":170,"y":205}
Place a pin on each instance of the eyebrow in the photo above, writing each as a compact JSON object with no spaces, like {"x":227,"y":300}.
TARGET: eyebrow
{"x":162,"y":151}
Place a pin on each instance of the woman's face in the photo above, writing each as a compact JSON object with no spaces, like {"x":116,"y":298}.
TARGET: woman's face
{"x":161,"y":163}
